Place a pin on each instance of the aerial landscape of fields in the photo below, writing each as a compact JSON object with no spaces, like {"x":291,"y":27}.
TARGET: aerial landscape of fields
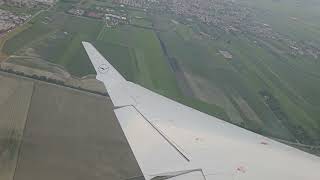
{"x":39,"y":139}
{"x":262,"y":73}
{"x":15,"y":98}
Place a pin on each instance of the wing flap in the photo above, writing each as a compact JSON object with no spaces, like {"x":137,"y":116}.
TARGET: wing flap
{"x":194,"y":175}
{"x":153,"y":152}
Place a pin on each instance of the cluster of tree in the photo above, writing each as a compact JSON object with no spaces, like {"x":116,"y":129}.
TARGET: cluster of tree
{"x":51,"y":80}
{"x":298,"y":131}
{"x":69,"y":1}
{"x":87,"y":90}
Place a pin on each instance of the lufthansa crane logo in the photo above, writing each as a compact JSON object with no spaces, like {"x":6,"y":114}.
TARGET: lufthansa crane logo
{"x":103,"y":68}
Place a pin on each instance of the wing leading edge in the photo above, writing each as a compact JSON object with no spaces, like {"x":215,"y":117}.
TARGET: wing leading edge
{"x":173,"y":141}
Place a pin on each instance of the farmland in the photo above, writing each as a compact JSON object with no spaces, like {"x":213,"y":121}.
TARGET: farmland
{"x":53,"y":38}
{"x":56,"y":37}
{"x":54,"y":132}
{"x":254,"y":68}
{"x":14,"y":104}
{"x":150,"y":65}
{"x":299,"y":19}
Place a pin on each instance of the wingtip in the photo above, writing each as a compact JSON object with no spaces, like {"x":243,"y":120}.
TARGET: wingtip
{"x":100,"y":64}
{"x":84,"y":43}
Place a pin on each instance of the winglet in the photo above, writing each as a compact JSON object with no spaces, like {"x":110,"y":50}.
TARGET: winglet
{"x":115,"y":84}
{"x":103,"y":68}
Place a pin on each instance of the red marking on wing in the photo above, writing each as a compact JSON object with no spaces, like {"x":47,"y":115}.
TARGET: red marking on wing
{"x":241,"y":169}
{"x":264,"y":143}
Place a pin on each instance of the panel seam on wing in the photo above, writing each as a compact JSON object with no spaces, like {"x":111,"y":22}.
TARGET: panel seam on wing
{"x":173,"y":144}
{"x":169,"y":175}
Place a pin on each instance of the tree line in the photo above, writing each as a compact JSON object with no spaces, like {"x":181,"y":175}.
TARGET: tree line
{"x":51,"y":80}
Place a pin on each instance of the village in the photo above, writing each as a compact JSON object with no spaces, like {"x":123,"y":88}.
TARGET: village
{"x":227,"y":16}
{"x":110,"y":16}
{"x":10,"y":19}
{"x":28,"y":3}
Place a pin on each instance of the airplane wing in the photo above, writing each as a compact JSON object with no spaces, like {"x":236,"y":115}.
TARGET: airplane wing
{"x":175,"y":142}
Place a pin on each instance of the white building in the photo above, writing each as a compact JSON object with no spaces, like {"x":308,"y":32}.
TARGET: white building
{"x":48,"y":2}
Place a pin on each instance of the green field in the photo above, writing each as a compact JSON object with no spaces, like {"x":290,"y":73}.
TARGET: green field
{"x":150,"y":65}
{"x":279,"y":15}
{"x":139,"y":18}
{"x":57,"y":38}
{"x":254,"y":68}
{"x":141,"y":22}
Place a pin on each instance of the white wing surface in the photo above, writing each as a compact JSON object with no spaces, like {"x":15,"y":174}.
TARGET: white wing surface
{"x":173,"y":141}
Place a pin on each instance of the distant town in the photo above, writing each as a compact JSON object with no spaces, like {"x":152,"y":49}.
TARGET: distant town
{"x":10,"y":20}
{"x":226,"y":15}
{"x":109,"y":15}
{"x":28,"y":3}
